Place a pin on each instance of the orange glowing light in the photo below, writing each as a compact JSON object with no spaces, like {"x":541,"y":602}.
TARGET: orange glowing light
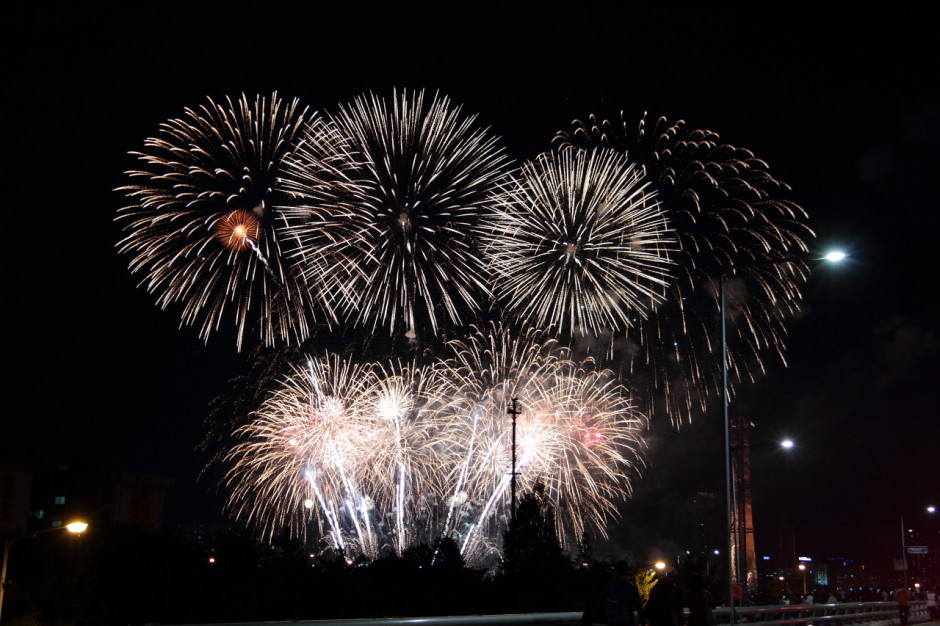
{"x":238,"y":230}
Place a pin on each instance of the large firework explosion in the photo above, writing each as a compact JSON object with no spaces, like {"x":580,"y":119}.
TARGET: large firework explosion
{"x":730,"y":221}
{"x":410,"y":228}
{"x":202,"y":229}
{"x":579,"y":243}
{"x":380,"y":458}
{"x":398,"y":214}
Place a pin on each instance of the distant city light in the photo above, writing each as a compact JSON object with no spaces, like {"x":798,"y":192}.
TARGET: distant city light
{"x":786,"y":443}
{"x":931,"y":509}
{"x":804,"y":558}
{"x":835,"y":256}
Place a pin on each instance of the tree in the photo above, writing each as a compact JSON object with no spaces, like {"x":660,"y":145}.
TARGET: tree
{"x":531,"y":545}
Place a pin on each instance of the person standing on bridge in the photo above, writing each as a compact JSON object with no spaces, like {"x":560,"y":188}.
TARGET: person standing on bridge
{"x":621,"y":598}
{"x":903,"y":598}
{"x":699,"y":602}
{"x":932,"y":604}
{"x":664,"y":607}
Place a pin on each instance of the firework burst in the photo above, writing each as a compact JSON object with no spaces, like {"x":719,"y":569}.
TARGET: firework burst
{"x":578,"y":434}
{"x":730,"y":219}
{"x":410,"y":226}
{"x":383,"y":458}
{"x":399,"y":214}
{"x":201,"y":228}
{"x":580,"y":243}
{"x":305,"y":450}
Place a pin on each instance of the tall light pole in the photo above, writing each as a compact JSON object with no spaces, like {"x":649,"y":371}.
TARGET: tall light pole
{"x":729,"y":481}
{"x":903,"y":553}
{"x":514,"y":412}
{"x":74,"y":527}
{"x":834,"y":256}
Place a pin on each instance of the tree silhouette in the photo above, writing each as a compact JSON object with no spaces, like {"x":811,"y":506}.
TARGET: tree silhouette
{"x":530,"y":542}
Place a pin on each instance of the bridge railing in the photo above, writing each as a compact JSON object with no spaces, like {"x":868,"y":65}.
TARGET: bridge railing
{"x":883,"y":613}
{"x":843,"y":614}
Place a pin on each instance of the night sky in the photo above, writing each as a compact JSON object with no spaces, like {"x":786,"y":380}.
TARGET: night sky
{"x":844,"y":107}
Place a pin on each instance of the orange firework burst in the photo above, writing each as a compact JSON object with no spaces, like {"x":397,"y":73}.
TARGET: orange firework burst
{"x":238,"y":230}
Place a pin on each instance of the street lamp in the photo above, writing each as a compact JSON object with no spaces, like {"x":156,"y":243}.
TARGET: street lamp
{"x":833,"y":256}
{"x":74,"y":527}
{"x":513,"y":412}
{"x":802,"y":568}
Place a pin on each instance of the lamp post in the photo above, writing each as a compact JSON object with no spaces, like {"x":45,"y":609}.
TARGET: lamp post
{"x":729,"y":481}
{"x":8,"y":542}
{"x":834,"y":256}
{"x":513,"y":412}
{"x":802,"y":568}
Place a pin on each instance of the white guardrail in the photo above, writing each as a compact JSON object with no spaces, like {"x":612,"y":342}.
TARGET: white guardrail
{"x":871,"y":613}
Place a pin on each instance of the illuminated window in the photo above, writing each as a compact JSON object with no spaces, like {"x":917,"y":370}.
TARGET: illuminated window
{"x":56,"y":523}
{"x":60,"y":500}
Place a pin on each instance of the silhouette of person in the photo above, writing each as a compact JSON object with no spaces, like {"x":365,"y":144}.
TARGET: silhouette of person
{"x":665,"y":604}
{"x":622,"y":598}
{"x":699,"y":602}
{"x":903,"y":598}
{"x":933,"y":604}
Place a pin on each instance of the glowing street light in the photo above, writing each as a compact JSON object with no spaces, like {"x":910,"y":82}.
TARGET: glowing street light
{"x":74,"y":528}
{"x":834,"y":256}
{"x":786,"y":444}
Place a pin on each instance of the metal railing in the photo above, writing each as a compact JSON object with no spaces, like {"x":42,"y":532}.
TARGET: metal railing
{"x":874,"y":613}
{"x":882,"y":613}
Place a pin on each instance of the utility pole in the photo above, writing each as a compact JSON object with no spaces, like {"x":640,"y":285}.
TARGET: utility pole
{"x":514,"y":413}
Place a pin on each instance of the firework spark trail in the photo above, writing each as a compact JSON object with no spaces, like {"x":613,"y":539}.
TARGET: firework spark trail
{"x":408,"y":224}
{"x":458,"y":494}
{"x":729,"y":217}
{"x":579,"y":242}
{"x":329,"y":512}
{"x":201,"y":228}
{"x":390,"y":457}
{"x":322,"y":180}
{"x":404,"y":466}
